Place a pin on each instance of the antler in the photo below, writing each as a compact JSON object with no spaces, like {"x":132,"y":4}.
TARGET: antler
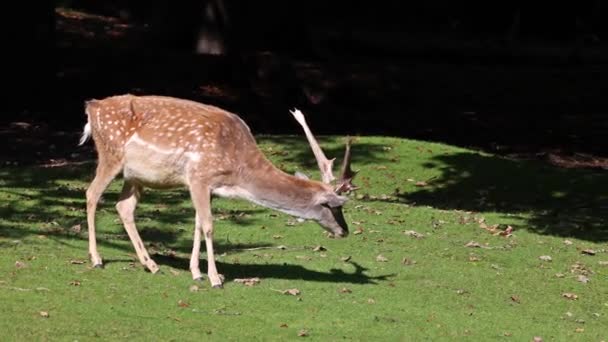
{"x":325,"y":165}
{"x":346,"y":174}
{"x":344,"y":184}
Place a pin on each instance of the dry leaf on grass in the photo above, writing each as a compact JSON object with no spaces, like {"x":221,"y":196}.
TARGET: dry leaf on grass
{"x":507,"y":232}
{"x":182,"y":304}
{"x":194,"y":288}
{"x":495,"y":228}
{"x":381,"y":258}
{"x":408,"y":262}
{"x":583,"y":279}
{"x":473,"y":244}
{"x":588,"y":251}
{"x":570,"y":296}
{"x":545,"y":258}
{"x":76,"y":262}
{"x":358,"y":231}
{"x":76,"y":228}
{"x":303,"y":333}
{"x":174,"y":272}
{"x":292,"y":292}
{"x":580,"y":268}
{"x":319,"y":249}
{"x":20,"y":264}
{"x":568,"y":242}
{"x":413,"y":234}
{"x":474,"y":258}
{"x":345,"y":290}
{"x":75,"y":283}
{"x":247,"y":281}
{"x":346,"y":258}
{"x":44,"y":314}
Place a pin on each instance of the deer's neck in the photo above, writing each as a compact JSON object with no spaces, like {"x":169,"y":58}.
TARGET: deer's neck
{"x":266,"y":185}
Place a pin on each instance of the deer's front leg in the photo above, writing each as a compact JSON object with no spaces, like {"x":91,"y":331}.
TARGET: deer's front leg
{"x":201,"y":197}
{"x":196,"y":249}
{"x":107,"y":169}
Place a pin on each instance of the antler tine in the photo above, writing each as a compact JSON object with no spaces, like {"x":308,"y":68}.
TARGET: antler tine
{"x":325,"y":165}
{"x":346,"y":174}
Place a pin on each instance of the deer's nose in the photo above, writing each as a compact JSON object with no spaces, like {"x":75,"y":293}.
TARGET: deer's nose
{"x":342,"y":234}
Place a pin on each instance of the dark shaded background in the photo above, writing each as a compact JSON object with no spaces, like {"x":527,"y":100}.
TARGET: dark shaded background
{"x":512,"y":77}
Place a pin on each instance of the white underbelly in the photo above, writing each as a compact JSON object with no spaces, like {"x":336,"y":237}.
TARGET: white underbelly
{"x":153,"y":167}
{"x":232,"y":192}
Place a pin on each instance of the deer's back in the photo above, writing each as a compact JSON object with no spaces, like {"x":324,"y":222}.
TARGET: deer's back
{"x":163,"y":140}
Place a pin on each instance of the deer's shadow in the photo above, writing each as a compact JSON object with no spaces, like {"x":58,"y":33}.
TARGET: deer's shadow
{"x":280,"y":271}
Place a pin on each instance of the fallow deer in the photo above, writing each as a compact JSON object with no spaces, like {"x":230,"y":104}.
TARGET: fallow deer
{"x":164,"y":142}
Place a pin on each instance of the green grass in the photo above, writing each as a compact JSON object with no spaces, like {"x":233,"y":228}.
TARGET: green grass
{"x":444,"y":290}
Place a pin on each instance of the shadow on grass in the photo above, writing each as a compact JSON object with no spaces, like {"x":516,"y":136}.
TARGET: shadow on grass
{"x":229,"y":270}
{"x":552,"y":201}
{"x":279,"y":271}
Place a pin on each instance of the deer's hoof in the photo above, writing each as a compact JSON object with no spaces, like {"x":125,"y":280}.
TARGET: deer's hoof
{"x":98,"y":266}
{"x":218,"y":286}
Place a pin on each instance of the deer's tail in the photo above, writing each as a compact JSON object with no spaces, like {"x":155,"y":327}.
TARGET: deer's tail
{"x":86,"y":132}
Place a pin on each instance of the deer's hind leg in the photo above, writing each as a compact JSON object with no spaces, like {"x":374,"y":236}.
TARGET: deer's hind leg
{"x":126,"y":210}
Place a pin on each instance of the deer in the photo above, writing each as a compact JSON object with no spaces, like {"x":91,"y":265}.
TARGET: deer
{"x":161,"y":142}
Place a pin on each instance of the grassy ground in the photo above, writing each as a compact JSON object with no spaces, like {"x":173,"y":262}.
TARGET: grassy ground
{"x":455,"y":277}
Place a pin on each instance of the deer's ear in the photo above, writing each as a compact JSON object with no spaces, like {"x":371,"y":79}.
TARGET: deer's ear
{"x":332,"y":200}
{"x":300,"y":175}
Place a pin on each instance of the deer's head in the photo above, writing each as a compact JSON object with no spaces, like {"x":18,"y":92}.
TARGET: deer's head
{"x":329,"y":203}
